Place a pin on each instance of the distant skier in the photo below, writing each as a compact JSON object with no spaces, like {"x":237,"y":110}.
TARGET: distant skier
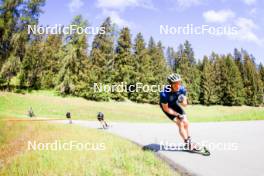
{"x":31,"y":113}
{"x":100,"y":117}
{"x":68,"y":116}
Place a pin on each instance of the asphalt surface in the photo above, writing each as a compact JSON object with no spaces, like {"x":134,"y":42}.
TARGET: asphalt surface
{"x":237,"y":148}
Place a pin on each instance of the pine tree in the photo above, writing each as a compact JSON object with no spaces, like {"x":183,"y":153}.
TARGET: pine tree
{"x":178,"y":56}
{"x":261,"y":72}
{"x":159,"y":68}
{"x":32,"y":65}
{"x":238,"y":59}
{"x":151,"y":45}
{"x":189,"y":52}
{"x":102,"y":57}
{"x":233,"y":92}
{"x":9,"y":15}
{"x":139,"y":45}
{"x":185,"y":65}
{"x":52,"y":55}
{"x":15,"y":16}
{"x":171,"y":58}
{"x":252,"y":82}
{"x":124,"y":63}
{"x":208,"y":91}
{"x":218,"y":65}
{"x":103,"y":51}
{"x":72,"y":75}
{"x":8,"y":71}
{"x":143,"y":69}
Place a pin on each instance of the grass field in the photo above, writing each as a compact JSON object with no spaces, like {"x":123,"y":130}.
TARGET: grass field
{"x":119,"y":157}
{"x":47,"y":104}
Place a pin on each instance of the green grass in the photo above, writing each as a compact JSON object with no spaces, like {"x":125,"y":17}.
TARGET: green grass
{"x":120,"y":157}
{"x":48,"y":104}
{"x":218,"y":113}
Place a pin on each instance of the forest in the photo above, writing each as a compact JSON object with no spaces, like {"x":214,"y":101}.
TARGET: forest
{"x":69,"y":65}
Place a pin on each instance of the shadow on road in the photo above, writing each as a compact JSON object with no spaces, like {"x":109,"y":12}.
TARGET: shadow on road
{"x":158,"y":147}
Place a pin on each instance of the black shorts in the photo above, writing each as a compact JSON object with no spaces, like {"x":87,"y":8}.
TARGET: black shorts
{"x":176,"y":107}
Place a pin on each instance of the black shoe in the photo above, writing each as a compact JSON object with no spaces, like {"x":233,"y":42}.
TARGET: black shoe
{"x":188,"y":144}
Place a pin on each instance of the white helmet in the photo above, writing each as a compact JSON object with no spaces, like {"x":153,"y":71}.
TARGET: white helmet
{"x":173,"y":78}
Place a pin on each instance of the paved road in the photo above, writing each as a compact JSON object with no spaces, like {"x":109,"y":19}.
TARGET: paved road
{"x":237,"y":148}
